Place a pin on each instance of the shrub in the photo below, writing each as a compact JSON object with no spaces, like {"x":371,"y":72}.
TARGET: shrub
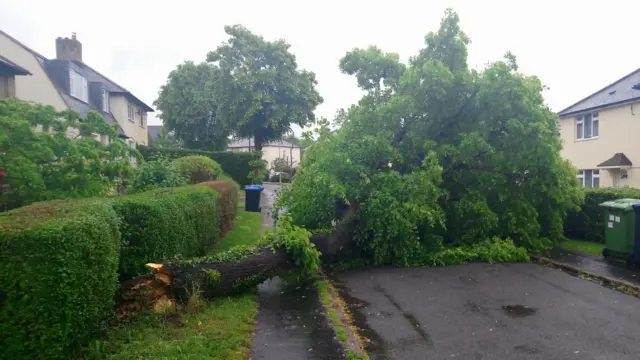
{"x":46,"y":165}
{"x":228,"y":203}
{"x":58,"y":263}
{"x":162,"y":224}
{"x":198,"y":168}
{"x":157,"y":173}
{"x":235,"y":164}
{"x":588,"y":223}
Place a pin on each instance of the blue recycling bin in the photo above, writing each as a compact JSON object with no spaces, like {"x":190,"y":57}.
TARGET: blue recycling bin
{"x":252,"y":198}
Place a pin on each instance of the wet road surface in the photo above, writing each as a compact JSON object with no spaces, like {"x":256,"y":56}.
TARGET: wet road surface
{"x":290,"y":323}
{"x":598,"y":265}
{"x":291,"y":326}
{"x":482,"y":311}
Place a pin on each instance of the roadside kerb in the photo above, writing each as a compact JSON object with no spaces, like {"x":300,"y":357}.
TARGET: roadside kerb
{"x":616,"y":284}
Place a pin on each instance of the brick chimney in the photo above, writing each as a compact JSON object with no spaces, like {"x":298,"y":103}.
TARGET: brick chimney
{"x":69,"y":49}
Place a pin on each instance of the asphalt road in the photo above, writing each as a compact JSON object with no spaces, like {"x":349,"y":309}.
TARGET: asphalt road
{"x":481,"y":311}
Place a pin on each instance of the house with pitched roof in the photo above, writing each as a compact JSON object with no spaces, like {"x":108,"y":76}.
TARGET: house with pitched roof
{"x":270,"y":151}
{"x":601,"y":134}
{"x":67,"y":83}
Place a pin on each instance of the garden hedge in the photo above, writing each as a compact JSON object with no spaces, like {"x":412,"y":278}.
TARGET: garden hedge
{"x":588,"y":223}
{"x":58,"y":263}
{"x":162,"y":224}
{"x":236,"y":164}
{"x":228,"y":204}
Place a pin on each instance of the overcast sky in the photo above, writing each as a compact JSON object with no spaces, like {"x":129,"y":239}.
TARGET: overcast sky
{"x":575,"y":47}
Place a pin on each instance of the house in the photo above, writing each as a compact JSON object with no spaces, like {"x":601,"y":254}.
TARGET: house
{"x":153,"y":132}
{"x":67,"y":83}
{"x":601,"y":134}
{"x":270,"y":151}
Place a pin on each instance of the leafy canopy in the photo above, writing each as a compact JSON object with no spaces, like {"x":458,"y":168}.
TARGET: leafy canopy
{"x":52,"y":155}
{"x":188,"y":105}
{"x":437,"y":154}
{"x":261,"y":91}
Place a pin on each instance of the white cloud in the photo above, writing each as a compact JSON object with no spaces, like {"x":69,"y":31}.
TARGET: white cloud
{"x":575,"y":47}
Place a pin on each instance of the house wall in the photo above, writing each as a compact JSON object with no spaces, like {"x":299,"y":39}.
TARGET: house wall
{"x":118,"y":108}
{"x":619,"y":131}
{"x":36,"y":87}
{"x":270,"y":153}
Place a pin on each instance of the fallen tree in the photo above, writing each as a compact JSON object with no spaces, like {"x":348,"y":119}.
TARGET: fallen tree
{"x":285,"y":250}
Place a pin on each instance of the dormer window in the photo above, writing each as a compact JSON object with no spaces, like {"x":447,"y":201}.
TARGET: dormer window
{"x":105,"y":100}
{"x":78,"y":87}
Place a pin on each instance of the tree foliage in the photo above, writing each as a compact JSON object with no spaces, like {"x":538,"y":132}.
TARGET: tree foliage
{"x":188,"y":105}
{"x":51,"y":155}
{"x":261,"y":91}
{"x":437,"y":154}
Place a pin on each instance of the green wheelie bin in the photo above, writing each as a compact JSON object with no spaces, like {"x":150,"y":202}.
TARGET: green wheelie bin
{"x":619,"y":231}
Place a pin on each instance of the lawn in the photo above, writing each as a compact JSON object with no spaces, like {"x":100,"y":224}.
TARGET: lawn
{"x":247,"y":229}
{"x":220,"y":329}
{"x":584,"y":246}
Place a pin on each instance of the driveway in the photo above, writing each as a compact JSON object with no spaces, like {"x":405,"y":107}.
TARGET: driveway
{"x":482,"y":311}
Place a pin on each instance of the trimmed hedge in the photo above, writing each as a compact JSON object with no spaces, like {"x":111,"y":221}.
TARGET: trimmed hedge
{"x":228,"y":202}
{"x":162,"y":224}
{"x":588,"y":223}
{"x":236,"y":164}
{"x":198,"y":168}
{"x":58,"y":263}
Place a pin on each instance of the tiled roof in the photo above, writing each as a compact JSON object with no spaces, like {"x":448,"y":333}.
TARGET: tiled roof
{"x":621,"y":91}
{"x":242,"y":143}
{"x":619,"y":159}
{"x":12,"y":68}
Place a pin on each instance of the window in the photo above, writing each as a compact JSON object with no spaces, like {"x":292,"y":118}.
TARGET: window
{"x":131,"y":113}
{"x":105,"y":100}
{"x":78,"y":86}
{"x":589,"y":178}
{"x":143,"y":118}
{"x":587,"y":126}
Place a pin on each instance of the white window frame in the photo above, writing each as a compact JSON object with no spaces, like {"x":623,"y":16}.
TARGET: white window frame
{"x":595,"y":174}
{"x":131,"y":113}
{"x":143,"y":119}
{"x":584,"y":121}
{"x":74,"y":77}
{"x":105,"y":100}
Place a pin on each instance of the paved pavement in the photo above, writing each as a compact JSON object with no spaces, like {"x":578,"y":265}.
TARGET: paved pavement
{"x":614,"y":268}
{"x":482,"y":311}
{"x":290,"y":324}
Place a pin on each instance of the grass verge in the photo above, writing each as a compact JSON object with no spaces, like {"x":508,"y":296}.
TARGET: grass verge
{"x":588,"y":247}
{"x":340,"y":319}
{"x":219,"y":329}
{"x":247,"y":229}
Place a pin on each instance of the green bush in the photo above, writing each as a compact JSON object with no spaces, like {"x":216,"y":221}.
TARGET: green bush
{"x":228,"y":204}
{"x":156,"y":173}
{"x":235,"y":164}
{"x":163,"y":224}
{"x":588,"y":223}
{"x":198,"y":168}
{"x":58,"y":263}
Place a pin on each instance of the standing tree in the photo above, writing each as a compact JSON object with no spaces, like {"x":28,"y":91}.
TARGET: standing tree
{"x":261,"y":91}
{"x":188,"y":103}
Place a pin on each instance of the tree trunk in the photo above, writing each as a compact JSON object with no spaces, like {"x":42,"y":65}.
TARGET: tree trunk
{"x":214,"y":279}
